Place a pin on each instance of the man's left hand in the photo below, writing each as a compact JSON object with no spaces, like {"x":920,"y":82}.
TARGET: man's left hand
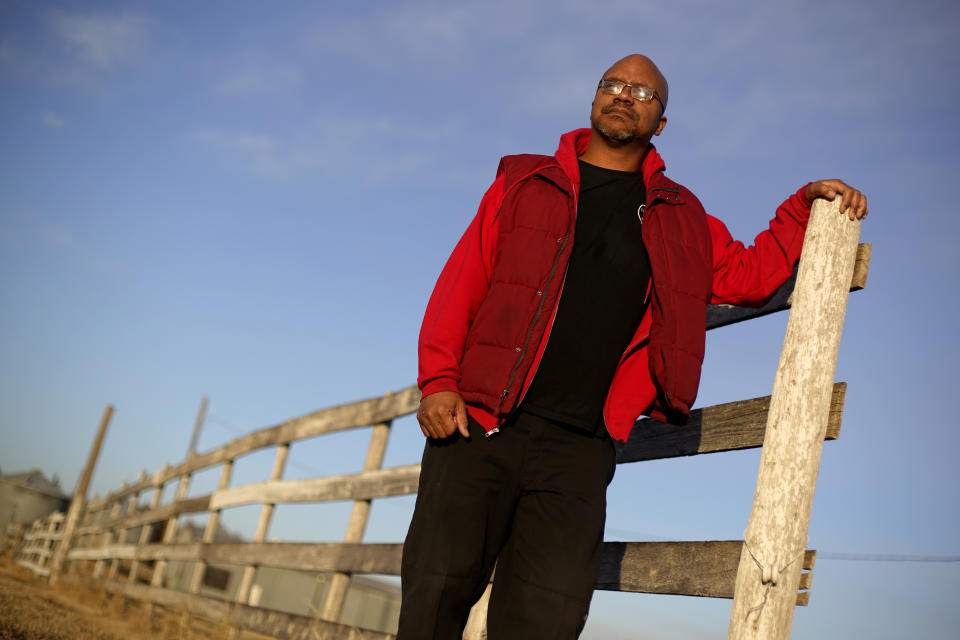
{"x":853,"y":202}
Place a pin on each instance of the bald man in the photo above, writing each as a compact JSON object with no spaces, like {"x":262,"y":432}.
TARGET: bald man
{"x":574,"y":303}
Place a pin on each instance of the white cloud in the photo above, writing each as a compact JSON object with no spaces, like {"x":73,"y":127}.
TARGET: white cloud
{"x":52,"y":120}
{"x":103,"y":40}
{"x":330,"y":145}
{"x":393,"y":36}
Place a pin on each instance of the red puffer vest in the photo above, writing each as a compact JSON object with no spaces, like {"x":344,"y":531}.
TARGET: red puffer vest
{"x":535,"y":238}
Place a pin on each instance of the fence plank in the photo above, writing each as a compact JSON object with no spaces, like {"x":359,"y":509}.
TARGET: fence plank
{"x":154,"y":514}
{"x":690,"y":568}
{"x":356,"y":486}
{"x":707,"y":569}
{"x":383,"y":558}
{"x":722,"y":427}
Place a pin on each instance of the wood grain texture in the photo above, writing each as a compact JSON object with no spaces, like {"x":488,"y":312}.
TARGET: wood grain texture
{"x":769,"y":573}
{"x":369,"y":484}
{"x":722,"y":427}
{"x":706,"y":569}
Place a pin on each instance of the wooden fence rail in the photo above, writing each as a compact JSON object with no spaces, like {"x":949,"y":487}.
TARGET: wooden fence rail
{"x":102,"y":547}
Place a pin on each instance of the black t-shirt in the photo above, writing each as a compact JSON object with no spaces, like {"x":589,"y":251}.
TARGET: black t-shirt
{"x":601,"y":304}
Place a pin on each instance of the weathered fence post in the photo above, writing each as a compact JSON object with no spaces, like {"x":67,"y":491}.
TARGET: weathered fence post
{"x":108,"y":537}
{"x":210,"y":530}
{"x":263,"y":524}
{"x":197,"y":425}
{"x":776,"y":536}
{"x":79,"y":497}
{"x":146,"y":529}
{"x":333,"y":605}
{"x":170,"y":531}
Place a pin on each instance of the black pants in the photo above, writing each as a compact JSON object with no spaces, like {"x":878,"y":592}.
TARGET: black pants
{"x":534,"y":496}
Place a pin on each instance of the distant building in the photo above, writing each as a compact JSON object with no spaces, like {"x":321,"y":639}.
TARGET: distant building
{"x":28,"y":496}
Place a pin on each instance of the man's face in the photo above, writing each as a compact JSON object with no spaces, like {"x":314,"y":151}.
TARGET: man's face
{"x":621,"y":119}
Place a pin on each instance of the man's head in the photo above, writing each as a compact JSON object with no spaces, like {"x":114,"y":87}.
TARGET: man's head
{"x":623,"y":119}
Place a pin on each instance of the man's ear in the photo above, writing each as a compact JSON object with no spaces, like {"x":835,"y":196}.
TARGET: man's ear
{"x":663,"y":123}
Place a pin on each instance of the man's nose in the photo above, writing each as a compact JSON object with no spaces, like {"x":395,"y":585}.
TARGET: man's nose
{"x":625,"y":96}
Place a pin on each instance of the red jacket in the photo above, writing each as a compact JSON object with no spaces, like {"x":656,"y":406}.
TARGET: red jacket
{"x":490,"y":314}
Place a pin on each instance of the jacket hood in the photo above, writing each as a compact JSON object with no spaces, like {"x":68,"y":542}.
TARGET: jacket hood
{"x":574,"y":143}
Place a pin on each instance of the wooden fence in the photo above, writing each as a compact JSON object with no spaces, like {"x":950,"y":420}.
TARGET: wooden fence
{"x":37,"y":542}
{"x":100,"y":550}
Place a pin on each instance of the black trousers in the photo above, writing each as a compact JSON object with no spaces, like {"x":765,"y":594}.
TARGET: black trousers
{"x":530,"y":499}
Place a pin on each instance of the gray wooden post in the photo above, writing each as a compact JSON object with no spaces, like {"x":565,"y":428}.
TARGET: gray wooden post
{"x":210,"y":531}
{"x":119,"y":536}
{"x":132,"y":506}
{"x":146,"y":530}
{"x":108,"y":535}
{"x":337,"y":593}
{"x":170,"y":532}
{"x":79,"y":498}
{"x":776,"y":536}
{"x":263,"y":524}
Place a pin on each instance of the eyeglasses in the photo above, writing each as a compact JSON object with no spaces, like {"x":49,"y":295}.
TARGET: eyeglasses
{"x":638,"y":91}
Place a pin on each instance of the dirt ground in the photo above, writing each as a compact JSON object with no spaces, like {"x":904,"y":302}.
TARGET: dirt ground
{"x":32,"y":610}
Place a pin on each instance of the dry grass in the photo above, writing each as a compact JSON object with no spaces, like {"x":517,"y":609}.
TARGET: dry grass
{"x":32,"y":610}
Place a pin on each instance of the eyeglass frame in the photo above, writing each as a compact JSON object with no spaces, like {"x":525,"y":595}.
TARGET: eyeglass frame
{"x":653,"y":92}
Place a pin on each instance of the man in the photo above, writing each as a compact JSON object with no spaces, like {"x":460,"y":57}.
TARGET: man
{"x":574,"y":303}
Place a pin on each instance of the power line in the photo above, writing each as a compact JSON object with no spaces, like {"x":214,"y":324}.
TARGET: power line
{"x":885,"y":557}
{"x":220,"y":422}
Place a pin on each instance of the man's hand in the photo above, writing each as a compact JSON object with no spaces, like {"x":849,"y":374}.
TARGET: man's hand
{"x":853,"y":202}
{"x":441,"y":414}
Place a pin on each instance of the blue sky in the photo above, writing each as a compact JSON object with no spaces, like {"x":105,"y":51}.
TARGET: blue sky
{"x":253,"y":200}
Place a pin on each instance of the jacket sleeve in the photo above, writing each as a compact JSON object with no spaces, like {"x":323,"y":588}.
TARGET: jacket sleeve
{"x":748,"y":276}
{"x":460,"y":289}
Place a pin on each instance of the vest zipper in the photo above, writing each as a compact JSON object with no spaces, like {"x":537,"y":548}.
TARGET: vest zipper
{"x":536,"y":317}
{"x":550,"y":277}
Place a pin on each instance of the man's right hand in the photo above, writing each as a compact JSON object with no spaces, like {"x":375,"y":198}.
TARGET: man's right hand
{"x":441,"y":414}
